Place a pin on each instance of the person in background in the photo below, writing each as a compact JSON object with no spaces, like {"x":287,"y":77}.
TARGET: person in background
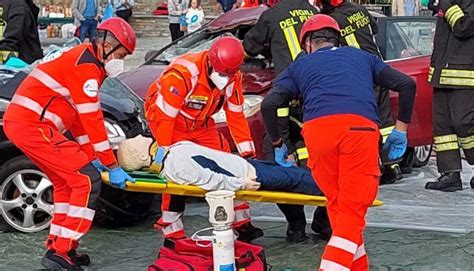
{"x":123,"y":8}
{"x":406,"y":7}
{"x":194,"y":16}
{"x":19,"y":31}
{"x":86,"y":16}
{"x":175,"y":9}
{"x":433,"y":6}
{"x":226,"y":5}
{"x":451,"y":74}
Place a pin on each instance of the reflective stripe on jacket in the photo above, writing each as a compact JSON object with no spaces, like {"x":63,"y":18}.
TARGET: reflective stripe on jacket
{"x":452,"y":61}
{"x":183,"y":93}
{"x":63,"y":92}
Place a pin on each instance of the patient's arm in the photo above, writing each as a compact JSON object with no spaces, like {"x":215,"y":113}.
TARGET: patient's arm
{"x":188,"y":172}
{"x":251,"y":184}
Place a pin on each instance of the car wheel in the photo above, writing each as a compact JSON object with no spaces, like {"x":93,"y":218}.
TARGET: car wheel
{"x":26,"y":196}
{"x":422,"y":155}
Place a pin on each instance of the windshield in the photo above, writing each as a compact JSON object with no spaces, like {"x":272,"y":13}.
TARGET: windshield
{"x":195,"y":42}
{"x":192,"y":43}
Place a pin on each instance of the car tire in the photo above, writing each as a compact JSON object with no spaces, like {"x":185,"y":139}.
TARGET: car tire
{"x":421,"y":155}
{"x":29,"y":195}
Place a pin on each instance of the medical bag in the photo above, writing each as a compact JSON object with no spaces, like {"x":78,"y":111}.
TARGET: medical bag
{"x":189,"y":255}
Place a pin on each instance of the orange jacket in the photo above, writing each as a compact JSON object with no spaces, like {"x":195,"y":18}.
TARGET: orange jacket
{"x":63,"y":92}
{"x":182,"y":99}
{"x":250,"y":3}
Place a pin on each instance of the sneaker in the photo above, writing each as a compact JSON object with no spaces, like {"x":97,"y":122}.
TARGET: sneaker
{"x":56,"y":261}
{"x":391,"y":174}
{"x":79,"y":259}
{"x":447,"y":182}
{"x":296,"y":232}
{"x":321,"y":224}
{"x":248,"y":233}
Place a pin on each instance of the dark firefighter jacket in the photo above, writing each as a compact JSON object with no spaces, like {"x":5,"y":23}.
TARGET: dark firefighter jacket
{"x":278,"y":30}
{"x":19,"y":31}
{"x":358,"y":27}
{"x":452,"y":61}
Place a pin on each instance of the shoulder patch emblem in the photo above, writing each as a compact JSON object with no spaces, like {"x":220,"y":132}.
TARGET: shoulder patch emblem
{"x":91,"y":88}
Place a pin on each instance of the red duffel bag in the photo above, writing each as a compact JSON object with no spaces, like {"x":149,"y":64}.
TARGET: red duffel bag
{"x":186,"y":255}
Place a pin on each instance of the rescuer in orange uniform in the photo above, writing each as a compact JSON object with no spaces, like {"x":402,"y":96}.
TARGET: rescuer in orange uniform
{"x":59,"y":95}
{"x":341,"y":129}
{"x":179,"y":106}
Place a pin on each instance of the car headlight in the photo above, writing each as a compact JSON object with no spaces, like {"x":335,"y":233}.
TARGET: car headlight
{"x":251,"y":107}
{"x":115,"y":133}
{"x":3,"y":108}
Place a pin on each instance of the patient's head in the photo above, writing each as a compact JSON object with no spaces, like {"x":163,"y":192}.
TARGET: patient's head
{"x":135,"y":153}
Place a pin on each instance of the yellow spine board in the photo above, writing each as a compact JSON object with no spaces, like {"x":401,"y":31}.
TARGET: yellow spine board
{"x":246,"y":195}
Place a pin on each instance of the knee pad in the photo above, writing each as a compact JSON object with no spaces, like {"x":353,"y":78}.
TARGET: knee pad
{"x":96,"y":184}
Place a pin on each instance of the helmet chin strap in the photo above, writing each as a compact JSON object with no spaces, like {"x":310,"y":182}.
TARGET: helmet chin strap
{"x":106,"y":55}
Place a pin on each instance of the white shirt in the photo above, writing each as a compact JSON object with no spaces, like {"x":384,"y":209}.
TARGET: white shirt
{"x":194,"y":18}
{"x":180,"y":167}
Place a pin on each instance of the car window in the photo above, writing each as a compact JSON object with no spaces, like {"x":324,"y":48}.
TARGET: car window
{"x":409,"y":38}
{"x":194,"y":42}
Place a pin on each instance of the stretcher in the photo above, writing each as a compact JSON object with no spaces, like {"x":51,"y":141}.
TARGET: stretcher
{"x":150,"y":183}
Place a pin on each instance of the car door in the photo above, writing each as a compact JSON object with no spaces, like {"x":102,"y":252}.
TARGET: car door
{"x":406,"y":44}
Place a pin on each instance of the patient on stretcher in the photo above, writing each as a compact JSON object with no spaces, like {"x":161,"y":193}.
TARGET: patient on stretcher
{"x":190,"y":164}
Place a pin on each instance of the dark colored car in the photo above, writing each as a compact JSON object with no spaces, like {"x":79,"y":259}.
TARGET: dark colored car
{"x":405,"y":43}
{"x":25,"y":191}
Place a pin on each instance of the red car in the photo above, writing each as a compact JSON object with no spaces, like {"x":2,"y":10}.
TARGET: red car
{"x":405,"y":43}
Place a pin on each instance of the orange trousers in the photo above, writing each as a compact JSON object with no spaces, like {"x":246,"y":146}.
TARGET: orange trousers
{"x":75,"y":181}
{"x":343,"y":157}
{"x":173,"y":206}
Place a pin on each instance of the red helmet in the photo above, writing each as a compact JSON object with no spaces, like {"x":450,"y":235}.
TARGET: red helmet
{"x":318,"y":22}
{"x":271,"y":3}
{"x":122,"y":31}
{"x":226,"y":55}
{"x":334,"y":3}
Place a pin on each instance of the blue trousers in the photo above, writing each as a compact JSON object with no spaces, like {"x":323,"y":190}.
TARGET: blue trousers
{"x":272,"y":176}
{"x":88,"y":29}
{"x":293,"y":179}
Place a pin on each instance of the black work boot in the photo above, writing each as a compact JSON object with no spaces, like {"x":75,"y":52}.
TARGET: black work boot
{"x":447,"y":182}
{"x":296,"y":231}
{"x":55,"y":261}
{"x":79,"y":259}
{"x":391,"y":174}
{"x":321,"y":224}
{"x":248,"y":233}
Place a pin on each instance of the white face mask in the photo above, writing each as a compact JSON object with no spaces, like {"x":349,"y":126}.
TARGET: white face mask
{"x":219,"y":80}
{"x":114,"y":67}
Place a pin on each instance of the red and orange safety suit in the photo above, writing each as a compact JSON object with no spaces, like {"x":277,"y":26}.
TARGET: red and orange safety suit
{"x":57,"y":96}
{"x":179,"y":106}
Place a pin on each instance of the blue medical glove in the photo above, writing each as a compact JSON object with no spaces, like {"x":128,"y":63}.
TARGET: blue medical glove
{"x":396,"y":143}
{"x":98,"y":165}
{"x":118,"y":177}
{"x":281,"y":154}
